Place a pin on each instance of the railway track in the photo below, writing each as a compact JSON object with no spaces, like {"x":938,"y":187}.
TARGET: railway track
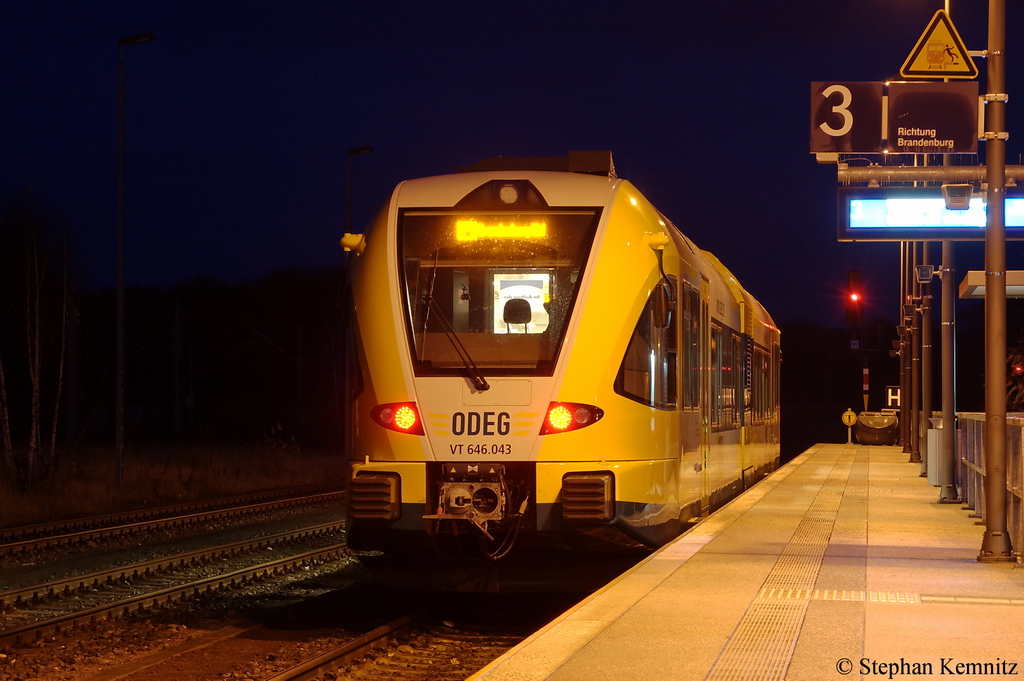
{"x":17,"y":533}
{"x":30,"y":612}
{"x":49,"y":614}
{"x":136,"y":573}
{"x":301,"y":573}
{"x":450,"y":638}
{"x":410,"y":649}
{"x":23,"y":540}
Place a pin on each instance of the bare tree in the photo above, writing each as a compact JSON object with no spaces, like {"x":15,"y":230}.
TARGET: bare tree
{"x":5,"y":421}
{"x":33,"y":341}
{"x":51,"y":453}
{"x":36,"y":303}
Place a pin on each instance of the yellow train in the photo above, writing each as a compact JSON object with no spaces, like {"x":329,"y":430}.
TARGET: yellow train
{"x":542,"y":353}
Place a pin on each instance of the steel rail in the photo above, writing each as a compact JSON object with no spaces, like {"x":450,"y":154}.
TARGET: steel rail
{"x":174,"y":521}
{"x":11,"y":534}
{"x":347,"y":652}
{"x":36,"y":593}
{"x":172,"y":594}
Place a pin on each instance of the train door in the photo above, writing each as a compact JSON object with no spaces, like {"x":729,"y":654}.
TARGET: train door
{"x":705,"y":395}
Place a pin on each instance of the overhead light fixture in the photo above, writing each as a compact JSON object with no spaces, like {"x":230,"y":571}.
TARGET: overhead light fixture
{"x":957,"y":196}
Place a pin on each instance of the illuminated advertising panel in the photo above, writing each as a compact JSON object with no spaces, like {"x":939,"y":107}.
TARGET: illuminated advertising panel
{"x":534,"y":288}
{"x":919,"y":214}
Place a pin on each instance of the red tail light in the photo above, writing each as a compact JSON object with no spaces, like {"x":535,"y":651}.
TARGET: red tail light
{"x":401,"y":417}
{"x":565,"y":416}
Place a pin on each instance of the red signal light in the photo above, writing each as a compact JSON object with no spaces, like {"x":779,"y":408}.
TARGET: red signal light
{"x":563,"y":417}
{"x":401,"y":417}
{"x":853,"y":297}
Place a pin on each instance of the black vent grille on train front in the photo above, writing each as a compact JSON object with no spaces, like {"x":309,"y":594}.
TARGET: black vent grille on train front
{"x":376,"y":495}
{"x":588,"y":496}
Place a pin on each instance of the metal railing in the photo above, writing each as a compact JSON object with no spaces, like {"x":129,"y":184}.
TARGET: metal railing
{"x":970,"y":445}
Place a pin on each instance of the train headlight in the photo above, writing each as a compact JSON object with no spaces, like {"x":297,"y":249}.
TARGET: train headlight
{"x":401,"y":417}
{"x":508,"y":193}
{"x":563,"y":417}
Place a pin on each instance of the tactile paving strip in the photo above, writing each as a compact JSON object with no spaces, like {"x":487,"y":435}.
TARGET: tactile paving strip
{"x":844,"y":595}
{"x":763,"y":642}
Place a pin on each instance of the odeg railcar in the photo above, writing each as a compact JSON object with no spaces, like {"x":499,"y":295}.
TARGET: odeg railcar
{"x":542,"y":353}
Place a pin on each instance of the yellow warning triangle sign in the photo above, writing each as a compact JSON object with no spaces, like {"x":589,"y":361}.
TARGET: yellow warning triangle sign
{"x":939,"y":53}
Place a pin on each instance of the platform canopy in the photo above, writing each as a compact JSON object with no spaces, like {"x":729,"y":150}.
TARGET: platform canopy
{"x":973,"y":285}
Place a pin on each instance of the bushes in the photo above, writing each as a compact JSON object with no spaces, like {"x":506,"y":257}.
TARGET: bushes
{"x":83,"y":484}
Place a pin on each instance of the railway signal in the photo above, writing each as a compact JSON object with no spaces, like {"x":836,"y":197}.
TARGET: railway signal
{"x":854,"y":298}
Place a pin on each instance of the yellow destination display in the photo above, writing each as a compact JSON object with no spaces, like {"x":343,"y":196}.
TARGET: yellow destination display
{"x":472,"y":230}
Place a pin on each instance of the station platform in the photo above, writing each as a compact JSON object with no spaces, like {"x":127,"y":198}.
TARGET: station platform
{"x":840,"y":564}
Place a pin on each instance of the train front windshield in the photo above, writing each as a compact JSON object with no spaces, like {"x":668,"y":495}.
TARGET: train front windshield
{"x":503,"y":284}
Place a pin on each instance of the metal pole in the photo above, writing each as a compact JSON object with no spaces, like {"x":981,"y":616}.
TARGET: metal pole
{"x":348,"y":178}
{"x":136,"y":39}
{"x":926,"y":361}
{"x":915,"y":388}
{"x":996,"y":545}
{"x":119,"y":386}
{"x":348,"y":191}
{"x":176,"y":369}
{"x":947,"y":455}
{"x":904,"y":355}
{"x":347,"y":336}
{"x":915,"y":359}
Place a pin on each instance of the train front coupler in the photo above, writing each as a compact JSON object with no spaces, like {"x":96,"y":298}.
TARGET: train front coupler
{"x":473,"y":493}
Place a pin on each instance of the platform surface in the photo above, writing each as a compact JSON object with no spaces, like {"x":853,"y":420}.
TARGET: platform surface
{"x":839,"y":565}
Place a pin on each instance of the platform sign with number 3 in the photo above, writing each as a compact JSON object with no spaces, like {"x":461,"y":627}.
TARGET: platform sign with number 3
{"x":846,"y":117}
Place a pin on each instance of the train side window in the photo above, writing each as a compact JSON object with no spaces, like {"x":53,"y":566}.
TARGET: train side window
{"x":735,"y":402}
{"x":717,"y":396}
{"x":776,"y":369}
{"x":691,"y":347}
{"x":763,"y":392}
{"x":648,"y":372}
{"x":725,"y":358}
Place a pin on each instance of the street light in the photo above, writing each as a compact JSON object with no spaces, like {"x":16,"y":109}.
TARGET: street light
{"x":348,"y":345}
{"x":995,"y":546}
{"x":137,"y":39}
{"x":348,"y":157}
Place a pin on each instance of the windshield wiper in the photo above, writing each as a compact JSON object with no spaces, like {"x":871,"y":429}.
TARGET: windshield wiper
{"x":475,"y":375}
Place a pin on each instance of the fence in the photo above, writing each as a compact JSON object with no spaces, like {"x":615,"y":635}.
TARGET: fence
{"x":971,"y":472}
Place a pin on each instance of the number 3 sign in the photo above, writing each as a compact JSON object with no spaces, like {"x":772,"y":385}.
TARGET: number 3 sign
{"x":846,"y":117}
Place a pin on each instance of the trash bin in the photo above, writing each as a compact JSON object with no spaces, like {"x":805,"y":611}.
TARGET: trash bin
{"x":934,"y":443}
{"x":877,"y":428}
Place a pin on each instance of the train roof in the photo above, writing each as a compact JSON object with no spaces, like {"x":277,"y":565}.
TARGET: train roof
{"x":585,"y":162}
{"x":559,"y":188}
{"x":742,"y":295}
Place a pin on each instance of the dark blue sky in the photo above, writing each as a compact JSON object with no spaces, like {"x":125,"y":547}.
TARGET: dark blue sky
{"x":239,"y":115}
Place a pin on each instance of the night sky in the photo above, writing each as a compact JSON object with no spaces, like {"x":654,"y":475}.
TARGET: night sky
{"x":239,"y":115}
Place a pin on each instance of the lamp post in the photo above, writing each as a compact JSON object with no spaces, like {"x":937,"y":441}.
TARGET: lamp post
{"x":356,"y":151}
{"x":995,"y":546}
{"x":348,"y":348}
{"x":136,"y":39}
